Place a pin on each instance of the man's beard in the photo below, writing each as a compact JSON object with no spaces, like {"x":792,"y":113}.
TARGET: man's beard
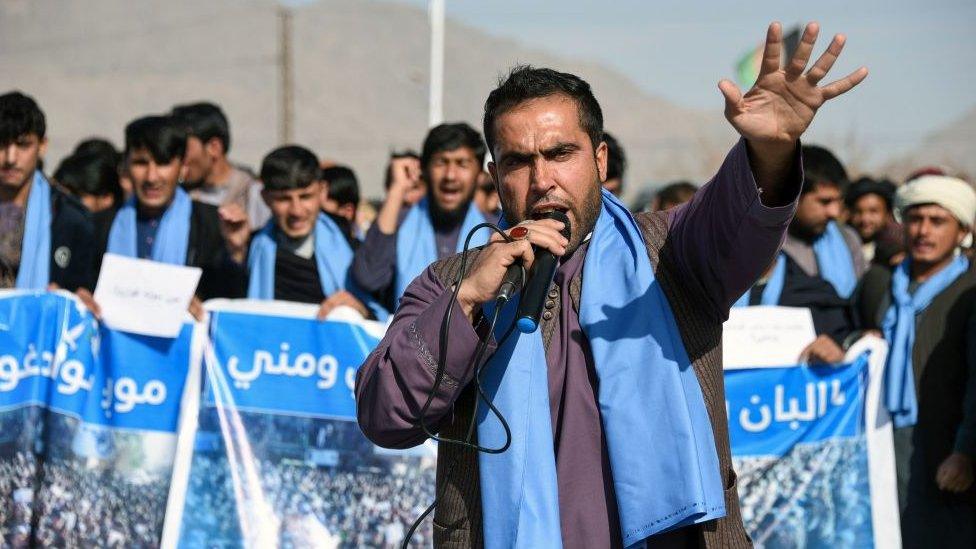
{"x":585,"y":215}
{"x":448,"y":219}
{"x":807,"y":234}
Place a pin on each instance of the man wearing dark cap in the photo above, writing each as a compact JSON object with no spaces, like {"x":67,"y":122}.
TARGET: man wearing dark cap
{"x":869,"y":203}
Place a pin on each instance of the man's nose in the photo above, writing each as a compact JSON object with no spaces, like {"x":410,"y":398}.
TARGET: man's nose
{"x":833,"y":210}
{"x":541,"y":180}
{"x":9,"y":154}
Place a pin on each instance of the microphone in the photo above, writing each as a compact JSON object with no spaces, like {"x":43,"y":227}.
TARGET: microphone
{"x":543,"y":269}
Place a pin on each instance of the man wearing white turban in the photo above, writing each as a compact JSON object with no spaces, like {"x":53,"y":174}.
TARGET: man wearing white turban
{"x":927,"y":313}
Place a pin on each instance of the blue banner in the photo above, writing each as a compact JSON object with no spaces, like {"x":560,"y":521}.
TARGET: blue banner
{"x":54,"y":354}
{"x":800,"y":450}
{"x":277,"y":459}
{"x":258,"y":360}
{"x":771,"y":410}
{"x":88,"y":417}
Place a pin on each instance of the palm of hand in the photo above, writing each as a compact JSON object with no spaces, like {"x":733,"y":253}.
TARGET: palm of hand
{"x":782,"y":103}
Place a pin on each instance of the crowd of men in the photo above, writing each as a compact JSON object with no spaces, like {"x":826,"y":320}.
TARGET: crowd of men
{"x":352,"y":508}
{"x":53,"y":497}
{"x":865,"y":256}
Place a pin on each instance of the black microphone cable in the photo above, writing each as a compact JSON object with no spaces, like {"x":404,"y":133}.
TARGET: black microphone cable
{"x":475,"y":362}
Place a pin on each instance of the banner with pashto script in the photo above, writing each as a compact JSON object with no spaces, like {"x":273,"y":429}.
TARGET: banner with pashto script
{"x":275,"y":457}
{"x":812,"y":448}
{"x":88,"y":419}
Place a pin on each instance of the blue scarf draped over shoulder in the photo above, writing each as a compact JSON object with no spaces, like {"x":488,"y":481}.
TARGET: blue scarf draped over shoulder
{"x":834,"y":260}
{"x":662,"y":450}
{"x":899,"y":331}
{"x":172,"y":237}
{"x":333,"y":257}
{"x":416,"y":245}
{"x":35,"y":255}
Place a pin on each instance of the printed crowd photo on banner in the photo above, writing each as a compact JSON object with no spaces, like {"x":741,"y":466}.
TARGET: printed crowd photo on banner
{"x":811,"y":444}
{"x":88,"y":419}
{"x":276,"y":458}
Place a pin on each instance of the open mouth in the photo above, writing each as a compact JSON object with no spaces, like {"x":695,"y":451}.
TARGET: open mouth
{"x":451,"y":193}
{"x":543,"y":211}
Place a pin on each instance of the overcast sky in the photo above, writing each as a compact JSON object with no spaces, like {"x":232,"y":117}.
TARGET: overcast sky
{"x":922,"y":55}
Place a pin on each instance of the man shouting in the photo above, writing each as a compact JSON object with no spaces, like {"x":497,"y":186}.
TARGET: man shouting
{"x":614,"y":409}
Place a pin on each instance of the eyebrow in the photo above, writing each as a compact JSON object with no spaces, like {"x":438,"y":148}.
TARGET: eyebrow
{"x":555,"y":150}
{"x":560,"y":148}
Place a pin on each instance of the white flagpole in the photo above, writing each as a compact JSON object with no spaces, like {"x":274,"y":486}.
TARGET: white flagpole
{"x":435,"y":11}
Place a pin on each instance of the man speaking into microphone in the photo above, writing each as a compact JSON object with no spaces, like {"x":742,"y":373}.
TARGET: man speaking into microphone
{"x":615,"y":429}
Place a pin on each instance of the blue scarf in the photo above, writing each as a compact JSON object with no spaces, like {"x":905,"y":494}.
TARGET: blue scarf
{"x":172,"y":237}
{"x":417,"y":246}
{"x":662,"y":451}
{"x":333,"y":256}
{"x":35,"y":251}
{"x":899,"y":331}
{"x":774,"y":286}
{"x":834,"y":260}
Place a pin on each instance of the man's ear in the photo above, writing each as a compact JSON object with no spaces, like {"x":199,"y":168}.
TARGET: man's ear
{"x":214,"y":148}
{"x":348,"y":211}
{"x":266,"y":197}
{"x":42,"y":148}
{"x":601,"y":161}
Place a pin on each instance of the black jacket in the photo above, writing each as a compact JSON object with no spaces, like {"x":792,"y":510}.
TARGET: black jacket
{"x":205,"y":249}
{"x":832,"y":314}
{"x":73,"y":243}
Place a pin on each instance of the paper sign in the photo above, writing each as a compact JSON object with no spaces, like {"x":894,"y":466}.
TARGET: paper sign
{"x":766,"y":337}
{"x":145,"y":297}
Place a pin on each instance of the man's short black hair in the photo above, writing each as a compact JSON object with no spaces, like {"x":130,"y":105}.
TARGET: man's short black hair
{"x":525,"y":82}
{"x":449,"y":137}
{"x":204,"y":121}
{"x":101,"y":147}
{"x":343,"y":185}
{"x":162,"y":136}
{"x":822,"y":167}
{"x":96,"y":145}
{"x":20,"y":116}
{"x":90,"y":173}
{"x":616,"y":158}
{"x":290,"y":167}
{"x":883,"y":188}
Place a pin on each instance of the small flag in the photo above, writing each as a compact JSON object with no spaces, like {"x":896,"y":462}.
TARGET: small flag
{"x":747,"y":68}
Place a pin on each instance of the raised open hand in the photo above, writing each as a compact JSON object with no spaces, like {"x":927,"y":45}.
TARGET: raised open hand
{"x":783,"y":102}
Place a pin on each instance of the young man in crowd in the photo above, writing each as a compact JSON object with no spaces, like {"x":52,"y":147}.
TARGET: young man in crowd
{"x":93,"y":179}
{"x":160,"y":222}
{"x":820,"y":263}
{"x":816,"y":241}
{"x":402,"y":243}
{"x":46,"y":236}
{"x":926,"y":310}
{"x":210,"y":177}
{"x":301,"y":254}
{"x":869,"y":203}
{"x":340,"y":198}
{"x":616,"y":165}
